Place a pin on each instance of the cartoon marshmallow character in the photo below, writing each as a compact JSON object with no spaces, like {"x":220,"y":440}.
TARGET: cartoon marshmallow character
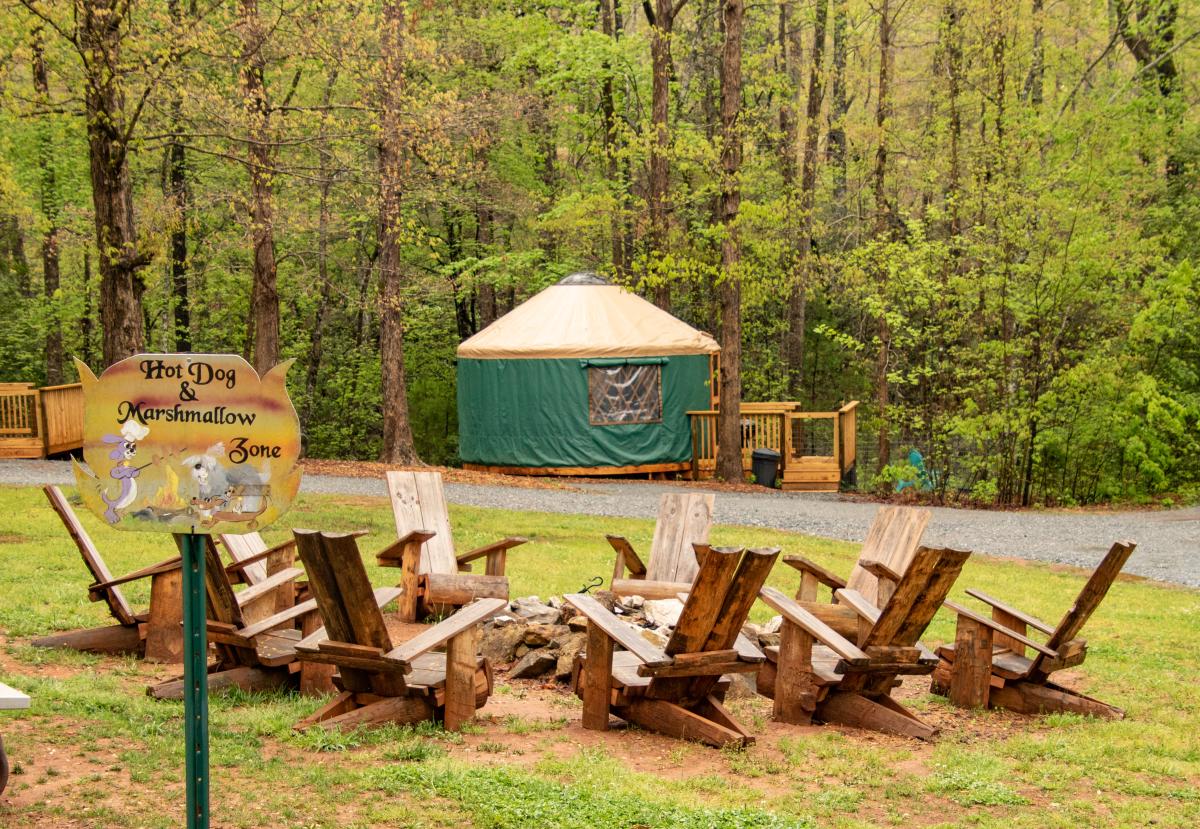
{"x":124,"y":473}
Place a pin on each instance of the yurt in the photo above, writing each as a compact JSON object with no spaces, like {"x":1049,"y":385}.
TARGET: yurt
{"x":585,"y":378}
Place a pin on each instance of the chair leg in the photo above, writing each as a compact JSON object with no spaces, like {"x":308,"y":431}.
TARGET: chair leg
{"x":970,"y":677}
{"x":1032,"y":698}
{"x":676,"y":721}
{"x":597,"y":679}
{"x":109,"y":639}
{"x":857,"y":711}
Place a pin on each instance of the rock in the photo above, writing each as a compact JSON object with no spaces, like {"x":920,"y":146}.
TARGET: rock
{"x":521,"y":650}
{"x":742,"y":687}
{"x":499,"y":644}
{"x":769,"y":640}
{"x":633,"y":602}
{"x":663,"y":612}
{"x":655,"y":636}
{"x":751,"y":631}
{"x":555,"y":602}
{"x":537,"y":636}
{"x":577,"y":622}
{"x":531,"y":609}
{"x":500,"y":621}
{"x":534,"y":664}
{"x":773,"y":625}
{"x":606,"y":598}
{"x":568,"y":648}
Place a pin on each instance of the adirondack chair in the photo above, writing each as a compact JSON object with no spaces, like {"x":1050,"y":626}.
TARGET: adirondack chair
{"x":381,"y":681}
{"x":841,"y":669}
{"x":250,"y":655}
{"x":434,"y":578}
{"x":676,"y":690}
{"x":684,"y":519}
{"x":886,"y":552}
{"x":253,"y":563}
{"x":987,"y":664}
{"x":155,"y":633}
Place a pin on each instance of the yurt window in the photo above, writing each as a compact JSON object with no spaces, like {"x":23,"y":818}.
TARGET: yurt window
{"x":624,"y":394}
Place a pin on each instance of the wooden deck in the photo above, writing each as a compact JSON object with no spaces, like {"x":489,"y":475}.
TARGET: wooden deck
{"x":36,"y":423}
{"x":816,"y":448}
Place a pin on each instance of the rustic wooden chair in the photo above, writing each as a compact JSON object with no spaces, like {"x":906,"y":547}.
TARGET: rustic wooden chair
{"x":678,"y":689}
{"x":684,"y":519}
{"x":155,"y":634}
{"x":887,"y":550}
{"x":841,"y":669}
{"x":987,"y":664}
{"x":253,"y":563}
{"x":381,"y":681}
{"x":433,"y":576}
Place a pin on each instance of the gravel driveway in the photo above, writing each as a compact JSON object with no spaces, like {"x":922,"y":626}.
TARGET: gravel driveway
{"x":1168,"y":540}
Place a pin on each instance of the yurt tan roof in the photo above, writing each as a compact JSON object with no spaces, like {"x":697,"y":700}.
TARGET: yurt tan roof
{"x":584,"y":316}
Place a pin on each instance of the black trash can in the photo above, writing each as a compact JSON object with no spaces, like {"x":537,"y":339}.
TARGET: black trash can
{"x":764,"y":463}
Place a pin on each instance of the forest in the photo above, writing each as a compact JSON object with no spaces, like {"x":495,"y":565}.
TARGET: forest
{"x":981,"y":218}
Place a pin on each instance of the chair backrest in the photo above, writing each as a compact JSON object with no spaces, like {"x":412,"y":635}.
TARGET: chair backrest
{"x":725,"y":589}
{"x":419,"y":503}
{"x":344,"y":595}
{"x":241,"y":547}
{"x":892,"y":540}
{"x":919,"y":593}
{"x":1089,"y":597}
{"x":684,"y":519}
{"x":113,"y":596}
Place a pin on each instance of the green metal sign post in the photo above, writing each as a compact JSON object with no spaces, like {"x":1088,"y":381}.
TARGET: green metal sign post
{"x":195,"y":680}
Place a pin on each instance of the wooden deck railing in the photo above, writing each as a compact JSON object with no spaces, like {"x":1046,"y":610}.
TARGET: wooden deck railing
{"x":790,"y":432}
{"x":35,"y":423}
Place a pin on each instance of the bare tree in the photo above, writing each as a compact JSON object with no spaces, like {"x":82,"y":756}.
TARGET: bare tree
{"x":729,"y":457}
{"x":397,"y":431}
{"x":49,"y":205}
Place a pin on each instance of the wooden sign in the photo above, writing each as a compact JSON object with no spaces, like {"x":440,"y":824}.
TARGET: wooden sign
{"x":185,"y":443}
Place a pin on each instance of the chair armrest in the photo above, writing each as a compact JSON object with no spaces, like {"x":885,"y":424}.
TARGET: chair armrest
{"x":879,"y":570}
{"x":791,"y":610}
{"x":627,"y":559}
{"x":393,"y":554}
{"x":858,"y":603}
{"x":621,"y":633}
{"x":999,"y":628}
{"x":1033,"y":622}
{"x":153,"y":570}
{"x":488,"y":549}
{"x":268,"y":584}
{"x":447,"y":629}
{"x":238,"y":567}
{"x":825,"y":577}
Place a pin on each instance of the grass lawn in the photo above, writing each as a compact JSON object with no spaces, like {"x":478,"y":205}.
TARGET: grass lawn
{"x":94,"y":751}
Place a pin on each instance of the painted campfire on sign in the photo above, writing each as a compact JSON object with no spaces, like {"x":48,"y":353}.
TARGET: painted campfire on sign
{"x":188,"y":443}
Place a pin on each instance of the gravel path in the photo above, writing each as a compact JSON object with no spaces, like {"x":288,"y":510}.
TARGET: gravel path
{"x":1168,"y":540}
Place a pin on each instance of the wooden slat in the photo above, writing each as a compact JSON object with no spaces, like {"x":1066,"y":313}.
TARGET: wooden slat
{"x":649,"y":589}
{"x":986,"y":622}
{"x":1032,"y":621}
{"x":618,"y":631}
{"x":804,"y":565}
{"x":447,"y":629}
{"x":268,"y":584}
{"x":92,"y":559}
{"x":243,"y":547}
{"x":892,"y":540}
{"x":419,"y":503}
{"x":684,"y":519}
{"x":1092,"y":594}
{"x":705,"y":602}
{"x":809,"y":623}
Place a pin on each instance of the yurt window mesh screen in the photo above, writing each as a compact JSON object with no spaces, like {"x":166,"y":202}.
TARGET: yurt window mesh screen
{"x":624,"y":394}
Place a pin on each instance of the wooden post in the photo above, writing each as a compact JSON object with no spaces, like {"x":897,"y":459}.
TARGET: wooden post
{"x":316,"y":679}
{"x":496,"y":562}
{"x":461,"y":663}
{"x":164,"y":635}
{"x":808,"y":587}
{"x":971,"y":676}
{"x":1013,"y":623}
{"x":597,"y":679}
{"x":410,"y":559}
{"x":795,"y":661}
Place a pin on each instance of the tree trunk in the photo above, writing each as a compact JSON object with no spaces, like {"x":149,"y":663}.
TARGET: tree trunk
{"x":49,"y":205}
{"x":486,"y":299}
{"x":798,"y":301}
{"x":264,"y":296}
{"x":883,"y":226}
{"x":178,"y":196}
{"x":1034,"y":81}
{"x":1150,"y":38}
{"x":662,"y":24}
{"x":612,"y":167}
{"x":839,"y":106}
{"x":953,"y":55}
{"x":729,"y":457}
{"x":101,"y":31}
{"x":397,"y":432}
